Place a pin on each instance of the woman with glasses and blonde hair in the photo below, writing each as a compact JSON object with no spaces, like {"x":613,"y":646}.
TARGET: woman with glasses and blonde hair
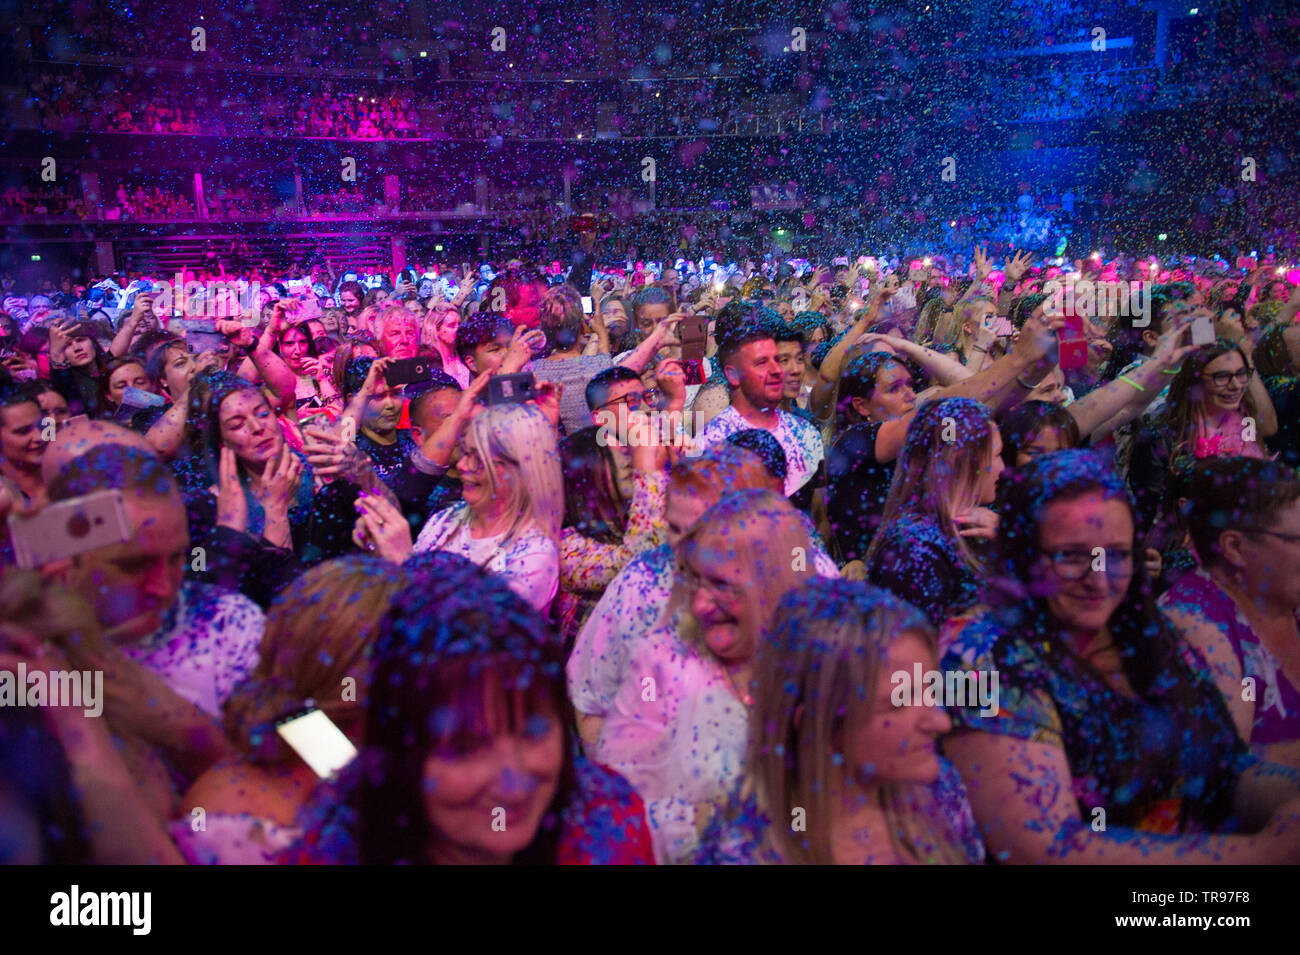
{"x":508,"y":521}
{"x":679,"y":723}
{"x":838,"y":772}
{"x":1217,"y":407}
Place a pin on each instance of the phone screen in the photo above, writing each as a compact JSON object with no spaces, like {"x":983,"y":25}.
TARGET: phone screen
{"x":586,"y":304}
{"x":320,"y":743}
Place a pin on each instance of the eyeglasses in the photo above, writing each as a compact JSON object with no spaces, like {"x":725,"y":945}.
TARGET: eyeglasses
{"x":1072,"y":565}
{"x":1221,"y":378}
{"x":1289,"y":538}
{"x":635,"y":399}
{"x":723,"y":591}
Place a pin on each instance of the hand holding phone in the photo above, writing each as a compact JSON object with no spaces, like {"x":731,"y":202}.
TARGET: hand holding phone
{"x":404,"y":371}
{"x":314,"y":737}
{"x":68,"y":528}
{"x":693,"y":332}
{"x":511,"y":389}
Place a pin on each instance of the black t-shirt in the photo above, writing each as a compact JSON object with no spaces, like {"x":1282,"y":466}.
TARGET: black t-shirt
{"x":387,"y":458}
{"x":857,"y":487}
{"x":1285,"y":392}
{"x":580,"y":276}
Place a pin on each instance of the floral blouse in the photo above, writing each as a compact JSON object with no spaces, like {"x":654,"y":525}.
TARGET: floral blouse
{"x":586,"y":565}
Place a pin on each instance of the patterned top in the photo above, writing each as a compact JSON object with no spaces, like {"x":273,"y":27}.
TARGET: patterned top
{"x":529,"y":560}
{"x":919,"y":563}
{"x":1127,"y":754}
{"x":736,"y":834}
{"x":800,"y":440}
{"x":387,"y":459}
{"x":588,"y":565}
{"x":1277,"y":707}
{"x":208,"y":644}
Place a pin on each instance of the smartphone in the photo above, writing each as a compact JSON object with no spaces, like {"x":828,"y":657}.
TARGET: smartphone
{"x":511,"y":389}
{"x":200,"y":342}
{"x":139,"y":398}
{"x":586,"y":304}
{"x":1074,"y":345}
{"x":321,"y":744}
{"x":203,"y":326}
{"x":693,"y":332}
{"x":1203,"y":330}
{"x":68,"y":528}
{"x":404,"y":371}
{"x":1003,"y":327}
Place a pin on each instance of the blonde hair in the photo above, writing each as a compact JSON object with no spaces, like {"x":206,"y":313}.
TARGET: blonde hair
{"x":522,"y":438}
{"x":431,"y":325}
{"x":319,"y":632}
{"x":818,"y":670}
{"x":765,"y":535}
{"x":927,"y":322}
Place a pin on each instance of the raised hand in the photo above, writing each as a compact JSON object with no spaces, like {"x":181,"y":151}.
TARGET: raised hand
{"x":232,"y":505}
{"x":1016,"y":266}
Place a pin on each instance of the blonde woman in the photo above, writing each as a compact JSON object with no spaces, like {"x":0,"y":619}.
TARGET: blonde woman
{"x":438,"y":336}
{"x":318,"y":637}
{"x":837,"y":773}
{"x":513,"y":500}
{"x":678,"y":726}
{"x":968,"y":328}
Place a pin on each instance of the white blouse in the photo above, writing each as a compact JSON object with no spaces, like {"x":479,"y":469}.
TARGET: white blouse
{"x":529,"y":561}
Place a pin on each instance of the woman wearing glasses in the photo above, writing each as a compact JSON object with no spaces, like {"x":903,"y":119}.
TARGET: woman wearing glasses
{"x":678,"y":726}
{"x":1237,"y":612}
{"x":1105,"y":746}
{"x":508,"y":521}
{"x":1217,"y":407}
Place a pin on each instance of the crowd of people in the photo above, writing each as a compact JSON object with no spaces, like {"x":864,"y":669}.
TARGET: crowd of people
{"x":663,"y":578}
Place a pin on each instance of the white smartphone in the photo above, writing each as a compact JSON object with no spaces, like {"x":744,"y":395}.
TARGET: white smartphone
{"x":586,"y":304}
{"x":1203,"y":330}
{"x":68,"y":528}
{"x":321,"y":744}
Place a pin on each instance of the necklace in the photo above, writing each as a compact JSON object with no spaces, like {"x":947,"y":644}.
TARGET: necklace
{"x":743,"y":697}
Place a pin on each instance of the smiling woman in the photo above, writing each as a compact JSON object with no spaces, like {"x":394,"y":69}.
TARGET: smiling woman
{"x":836,"y":773}
{"x":1098,"y":704}
{"x":691,"y":678}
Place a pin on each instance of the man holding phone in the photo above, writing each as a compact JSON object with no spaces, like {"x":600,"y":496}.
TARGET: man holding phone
{"x":180,"y":646}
